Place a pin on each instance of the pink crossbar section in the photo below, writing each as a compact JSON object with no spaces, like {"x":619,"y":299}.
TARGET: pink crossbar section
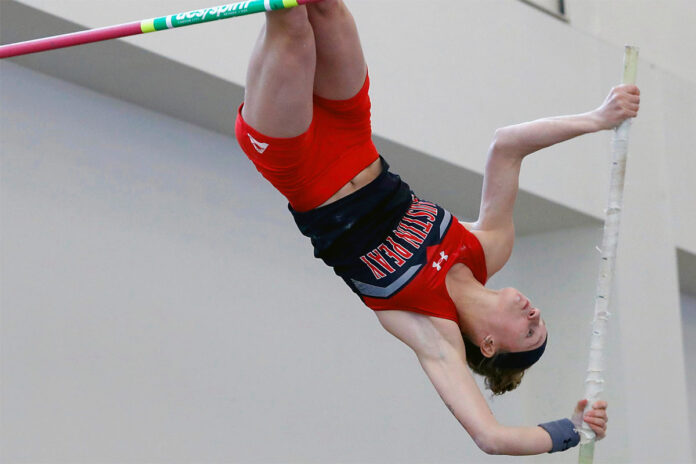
{"x":69,"y":40}
{"x":82,"y":37}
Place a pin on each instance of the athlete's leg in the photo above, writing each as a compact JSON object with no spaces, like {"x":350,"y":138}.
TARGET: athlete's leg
{"x":341,"y":68}
{"x":280,"y":79}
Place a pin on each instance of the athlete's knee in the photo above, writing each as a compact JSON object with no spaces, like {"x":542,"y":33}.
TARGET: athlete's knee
{"x":327,"y":8}
{"x":291,"y":23}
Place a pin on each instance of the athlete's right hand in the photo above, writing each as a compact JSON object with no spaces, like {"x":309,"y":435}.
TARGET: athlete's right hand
{"x":623,"y":102}
{"x":596,"y":418}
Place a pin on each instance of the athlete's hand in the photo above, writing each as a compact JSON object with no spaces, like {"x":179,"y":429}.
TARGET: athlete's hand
{"x":596,"y":417}
{"x":622,"y":103}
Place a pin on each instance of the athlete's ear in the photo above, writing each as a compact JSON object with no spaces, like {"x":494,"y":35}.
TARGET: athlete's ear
{"x":488,"y":347}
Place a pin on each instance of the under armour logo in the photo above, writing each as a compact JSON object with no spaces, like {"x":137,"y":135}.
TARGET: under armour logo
{"x":259,"y":146}
{"x":443,"y":257}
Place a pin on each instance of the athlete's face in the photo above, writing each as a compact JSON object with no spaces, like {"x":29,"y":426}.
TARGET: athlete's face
{"x":520,"y":326}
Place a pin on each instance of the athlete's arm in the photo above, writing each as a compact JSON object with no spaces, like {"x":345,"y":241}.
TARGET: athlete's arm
{"x":439,"y":347}
{"x":449,"y":374}
{"x":495,"y":228}
{"x":521,"y":140}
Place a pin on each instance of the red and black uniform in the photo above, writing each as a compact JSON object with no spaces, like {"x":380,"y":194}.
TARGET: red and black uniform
{"x":391,"y":248}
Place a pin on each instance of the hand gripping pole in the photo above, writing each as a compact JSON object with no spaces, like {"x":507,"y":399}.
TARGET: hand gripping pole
{"x":188,"y":18}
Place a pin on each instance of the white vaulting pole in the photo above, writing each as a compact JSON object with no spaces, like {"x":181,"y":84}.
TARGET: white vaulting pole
{"x":594,"y":382}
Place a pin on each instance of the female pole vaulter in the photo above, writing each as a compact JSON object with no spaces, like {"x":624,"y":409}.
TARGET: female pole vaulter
{"x":305,"y":124}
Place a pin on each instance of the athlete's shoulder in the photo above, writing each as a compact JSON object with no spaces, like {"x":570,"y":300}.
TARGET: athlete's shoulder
{"x":424,"y":334}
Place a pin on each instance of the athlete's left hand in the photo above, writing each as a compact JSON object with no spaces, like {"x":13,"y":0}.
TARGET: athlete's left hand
{"x":622,"y":103}
{"x":596,"y":417}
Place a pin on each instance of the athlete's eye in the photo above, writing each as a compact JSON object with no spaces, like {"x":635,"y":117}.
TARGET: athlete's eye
{"x":530,"y":333}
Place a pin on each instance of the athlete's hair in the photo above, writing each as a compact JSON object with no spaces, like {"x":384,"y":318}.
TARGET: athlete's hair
{"x":498,"y":380}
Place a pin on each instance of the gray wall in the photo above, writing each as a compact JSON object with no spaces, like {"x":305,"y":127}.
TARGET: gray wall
{"x":158,"y":305}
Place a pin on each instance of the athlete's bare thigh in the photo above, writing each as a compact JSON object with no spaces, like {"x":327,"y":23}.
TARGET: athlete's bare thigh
{"x":280,"y":79}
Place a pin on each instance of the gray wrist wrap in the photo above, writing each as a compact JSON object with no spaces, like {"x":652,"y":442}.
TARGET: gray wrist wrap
{"x":563,"y":434}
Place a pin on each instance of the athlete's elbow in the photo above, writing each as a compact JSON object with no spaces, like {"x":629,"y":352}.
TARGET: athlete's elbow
{"x":502,"y":137}
{"x":504,"y":145}
{"x":488,"y":442}
{"x":487,"y":446}
{"x":499,"y":135}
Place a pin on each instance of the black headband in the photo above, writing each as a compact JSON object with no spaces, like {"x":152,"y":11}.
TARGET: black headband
{"x":521,"y":360}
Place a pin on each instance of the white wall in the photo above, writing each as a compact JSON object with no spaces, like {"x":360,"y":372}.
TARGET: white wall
{"x":116,"y":222}
{"x":472,"y":66}
{"x":159,"y":306}
{"x":663,"y":30}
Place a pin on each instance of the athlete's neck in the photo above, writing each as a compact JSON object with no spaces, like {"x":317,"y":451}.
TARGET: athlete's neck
{"x":474,"y":302}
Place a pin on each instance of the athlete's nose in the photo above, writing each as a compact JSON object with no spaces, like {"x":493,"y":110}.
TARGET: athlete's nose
{"x":534,"y":313}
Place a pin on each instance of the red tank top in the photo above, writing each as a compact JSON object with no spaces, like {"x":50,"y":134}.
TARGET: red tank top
{"x":426,"y":291}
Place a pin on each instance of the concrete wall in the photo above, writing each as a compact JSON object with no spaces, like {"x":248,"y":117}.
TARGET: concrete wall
{"x":663,"y":30}
{"x":155,"y":301}
{"x":130,"y":243}
{"x":158,"y":306}
{"x":470,"y":67}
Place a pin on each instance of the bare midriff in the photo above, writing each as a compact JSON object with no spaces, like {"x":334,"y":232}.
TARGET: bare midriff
{"x":363,"y":178}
